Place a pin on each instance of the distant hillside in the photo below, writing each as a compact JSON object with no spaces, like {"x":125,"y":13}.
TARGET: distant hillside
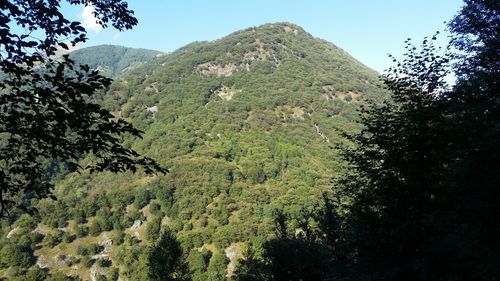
{"x":113,"y":60}
{"x":248,"y":125}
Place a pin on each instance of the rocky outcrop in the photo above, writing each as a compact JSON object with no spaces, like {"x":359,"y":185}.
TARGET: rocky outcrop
{"x":212,"y":68}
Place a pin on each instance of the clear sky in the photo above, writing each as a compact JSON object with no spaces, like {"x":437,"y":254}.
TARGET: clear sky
{"x":367,"y":29}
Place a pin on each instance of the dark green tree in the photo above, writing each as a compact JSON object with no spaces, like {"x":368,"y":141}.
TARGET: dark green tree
{"x":198,"y":263}
{"x":15,"y":255}
{"x":48,"y":112}
{"x":396,"y":166}
{"x":217,"y":268}
{"x":59,"y":276}
{"x":425,"y":169}
{"x":165,"y":259}
{"x":95,"y":228}
{"x":471,"y":215}
{"x":153,"y":229}
{"x":290,"y":256}
{"x":33,"y":274}
{"x":475,"y":32}
{"x":113,"y":274}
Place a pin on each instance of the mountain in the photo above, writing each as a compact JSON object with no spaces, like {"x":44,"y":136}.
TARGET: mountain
{"x":248,"y":126}
{"x":113,"y":60}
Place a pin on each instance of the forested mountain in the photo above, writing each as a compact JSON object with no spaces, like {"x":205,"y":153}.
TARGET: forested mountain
{"x":113,"y":60}
{"x":249,"y":127}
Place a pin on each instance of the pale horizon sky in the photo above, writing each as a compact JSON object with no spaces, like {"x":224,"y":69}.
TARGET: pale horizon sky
{"x":366,"y":29}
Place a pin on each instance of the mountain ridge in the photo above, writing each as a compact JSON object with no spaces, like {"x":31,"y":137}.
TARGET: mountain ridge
{"x":112,"y":60}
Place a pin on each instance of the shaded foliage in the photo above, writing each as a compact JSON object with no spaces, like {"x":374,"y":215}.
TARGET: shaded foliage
{"x":424,"y":168}
{"x":302,"y":255}
{"x":395,"y":168}
{"x":165,"y":259}
{"x":475,"y":114}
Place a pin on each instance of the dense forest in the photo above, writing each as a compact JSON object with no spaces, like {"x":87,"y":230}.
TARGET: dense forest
{"x":287,"y":159}
{"x":112,"y":60}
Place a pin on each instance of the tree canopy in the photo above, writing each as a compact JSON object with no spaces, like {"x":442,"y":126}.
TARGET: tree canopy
{"x":165,"y":259}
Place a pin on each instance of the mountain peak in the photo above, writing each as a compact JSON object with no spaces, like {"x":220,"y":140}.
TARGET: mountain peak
{"x":285,"y":27}
{"x":268,"y":48}
{"x":281,"y":29}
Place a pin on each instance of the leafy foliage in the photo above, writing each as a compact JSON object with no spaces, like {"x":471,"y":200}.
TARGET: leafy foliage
{"x":47,"y":113}
{"x":165,"y":259}
{"x":475,"y":114}
{"x":423,"y":169}
{"x":395,"y":168}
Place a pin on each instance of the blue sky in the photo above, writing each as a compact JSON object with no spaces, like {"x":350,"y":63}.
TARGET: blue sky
{"x":367,"y":29}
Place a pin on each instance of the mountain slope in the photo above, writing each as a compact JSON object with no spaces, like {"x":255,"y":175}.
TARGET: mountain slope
{"x":113,"y":60}
{"x":248,"y":126}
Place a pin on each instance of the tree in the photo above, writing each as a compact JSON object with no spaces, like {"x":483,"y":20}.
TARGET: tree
{"x":95,"y":228}
{"x":475,"y":32}
{"x":165,"y":259}
{"x":114,"y":274}
{"x":15,"y":255}
{"x":217,"y":267}
{"x":48,"y":109}
{"x":396,"y":166}
{"x":33,"y":274}
{"x":425,"y":168}
{"x":198,"y":263}
{"x":153,"y":229}
{"x":474,"y":110}
{"x":298,"y":256}
{"x":59,"y":276}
